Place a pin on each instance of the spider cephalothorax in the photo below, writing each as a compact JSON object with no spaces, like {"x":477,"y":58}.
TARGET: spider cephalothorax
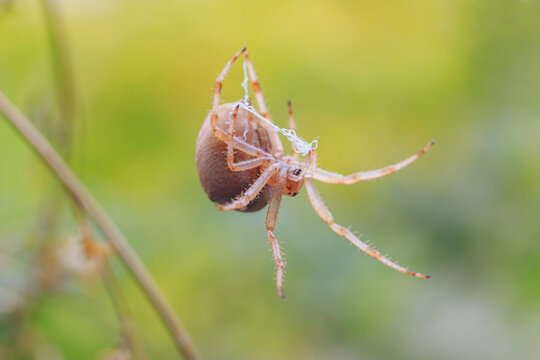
{"x":242,"y":167}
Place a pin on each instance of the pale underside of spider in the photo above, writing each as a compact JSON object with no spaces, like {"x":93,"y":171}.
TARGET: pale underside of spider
{"x":242,"y":167}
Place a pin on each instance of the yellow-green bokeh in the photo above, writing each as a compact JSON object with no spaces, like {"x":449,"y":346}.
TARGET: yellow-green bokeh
{"x":374,"y":81}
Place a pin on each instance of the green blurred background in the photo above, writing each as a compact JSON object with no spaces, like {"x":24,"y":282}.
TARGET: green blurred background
{"x":375,"y":81}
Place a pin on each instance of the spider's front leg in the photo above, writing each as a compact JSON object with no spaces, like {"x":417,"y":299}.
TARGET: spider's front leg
{"x":217,"y":90}
{"x":271,"y":218}
{"x":335,"y":178}
{"x":321,"y":210}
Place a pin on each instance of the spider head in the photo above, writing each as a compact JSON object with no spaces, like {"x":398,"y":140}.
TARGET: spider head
{"x":294,"y":182}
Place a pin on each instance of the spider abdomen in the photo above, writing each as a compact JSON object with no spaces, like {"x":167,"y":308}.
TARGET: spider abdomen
{"x":220,"y":183}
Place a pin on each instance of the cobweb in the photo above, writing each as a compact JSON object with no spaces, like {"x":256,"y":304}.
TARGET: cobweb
{"x":299,"y":145}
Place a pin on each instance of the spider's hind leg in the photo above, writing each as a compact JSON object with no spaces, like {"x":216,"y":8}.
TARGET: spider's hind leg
{"x":274,"y":138}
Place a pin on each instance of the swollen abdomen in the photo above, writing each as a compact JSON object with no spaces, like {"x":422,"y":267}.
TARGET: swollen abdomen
{"x":220,"y":183}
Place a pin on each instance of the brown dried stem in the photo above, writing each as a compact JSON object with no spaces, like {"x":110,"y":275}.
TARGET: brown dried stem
{"x":84,"y":199}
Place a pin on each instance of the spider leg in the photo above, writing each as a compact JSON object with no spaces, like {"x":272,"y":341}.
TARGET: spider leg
{"x":323,"y":212}
{"x":274,"y":137}
{"x":252,"y":191}
{"x":307,"y":166}
{"x":242,"y":165}
{"x":240,"y":144}
{"x":248,"y":148}
{"x":257,"y":89}
{"x":247,"y":164}
{"x":311,"y":159}
{"x":271,"y":218}
{"x":214,"y":114}
{"x":217,"y":89}
{"x":335,"y":178}
{"x":292,"y":126}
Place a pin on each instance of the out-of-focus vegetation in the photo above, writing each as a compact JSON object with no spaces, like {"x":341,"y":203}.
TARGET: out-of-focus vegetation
{"x":375,"y":81}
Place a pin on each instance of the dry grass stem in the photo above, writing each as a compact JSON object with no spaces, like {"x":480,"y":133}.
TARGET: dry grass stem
{"x":93,"y":210}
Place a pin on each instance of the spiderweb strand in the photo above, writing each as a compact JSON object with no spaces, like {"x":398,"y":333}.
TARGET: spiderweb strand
{"x":300,"y":145}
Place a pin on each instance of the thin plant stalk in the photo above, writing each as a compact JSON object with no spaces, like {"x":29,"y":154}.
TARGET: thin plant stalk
{"x":122,"y":311}
{"x":118,"y":300}
{"x":93,"y":209}
{"x":63,"y":74}
{"x":62,"y":123}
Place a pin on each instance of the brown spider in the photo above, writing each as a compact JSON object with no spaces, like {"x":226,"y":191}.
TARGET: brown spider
{"x":255,"y":171}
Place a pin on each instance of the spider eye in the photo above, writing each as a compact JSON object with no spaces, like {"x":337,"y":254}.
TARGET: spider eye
{"x":297,"y":172}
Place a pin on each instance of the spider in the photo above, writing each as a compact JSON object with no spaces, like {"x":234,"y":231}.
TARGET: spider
{"x":241,"y":166}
